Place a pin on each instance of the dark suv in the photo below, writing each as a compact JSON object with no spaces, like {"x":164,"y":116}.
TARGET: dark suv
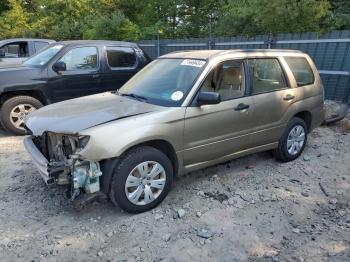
{"x":62,"y":71}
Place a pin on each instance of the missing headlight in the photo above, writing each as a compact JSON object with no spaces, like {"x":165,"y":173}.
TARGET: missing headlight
{"x":83,"y":141}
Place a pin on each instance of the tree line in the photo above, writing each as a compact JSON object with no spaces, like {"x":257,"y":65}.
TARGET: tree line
{"x":146,"y":19}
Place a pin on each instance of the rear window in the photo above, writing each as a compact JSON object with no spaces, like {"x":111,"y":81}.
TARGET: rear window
{"x":121,"y":57}
{"x":301,"y":70}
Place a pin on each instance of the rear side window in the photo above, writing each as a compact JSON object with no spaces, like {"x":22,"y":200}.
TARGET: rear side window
{"x":301,"y":70}
{"x":266,"y":75}
{"x":120,"y":57}
{"x":16,"y":50}
{"x":39,"y":45}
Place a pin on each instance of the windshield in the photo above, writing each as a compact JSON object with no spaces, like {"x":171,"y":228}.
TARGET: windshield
{"x":44,"y":56}
{"x":164,"y":82}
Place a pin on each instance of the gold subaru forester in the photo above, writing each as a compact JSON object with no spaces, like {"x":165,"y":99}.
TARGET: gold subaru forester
{"x":183,"y":112}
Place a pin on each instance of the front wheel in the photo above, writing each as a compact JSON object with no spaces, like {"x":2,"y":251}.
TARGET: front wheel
{"x":293,"y":140}
{"x":141,"y":179}
{"x":15,"y":110}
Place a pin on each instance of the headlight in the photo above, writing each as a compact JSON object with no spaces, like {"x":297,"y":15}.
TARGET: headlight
{"x":83,"y":141}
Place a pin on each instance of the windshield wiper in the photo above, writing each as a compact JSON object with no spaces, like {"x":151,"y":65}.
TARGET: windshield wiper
{"x":138,"y":97}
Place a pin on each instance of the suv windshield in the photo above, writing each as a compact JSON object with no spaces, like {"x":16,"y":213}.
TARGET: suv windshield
{"x":44,"y":56}
{"x":164,"y":82}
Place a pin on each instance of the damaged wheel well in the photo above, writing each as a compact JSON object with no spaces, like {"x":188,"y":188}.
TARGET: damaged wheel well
{"x":306,"y":116}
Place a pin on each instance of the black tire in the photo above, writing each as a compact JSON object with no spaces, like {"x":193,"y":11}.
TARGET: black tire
{"x":9,"y":105}
{"x":281,"y":152}
{"x":123,"y":168}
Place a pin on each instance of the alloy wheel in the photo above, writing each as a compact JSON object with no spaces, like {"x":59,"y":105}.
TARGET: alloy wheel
{"x":18,"y":114}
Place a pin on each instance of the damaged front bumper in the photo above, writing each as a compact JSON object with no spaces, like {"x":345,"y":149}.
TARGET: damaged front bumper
{"x":39,"y":160}
{"x":82,"y":175}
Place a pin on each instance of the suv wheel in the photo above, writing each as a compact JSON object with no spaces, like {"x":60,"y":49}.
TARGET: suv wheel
{"x":14,"y":111}
{"x":293,"y":141}
{"x":141,"y":179}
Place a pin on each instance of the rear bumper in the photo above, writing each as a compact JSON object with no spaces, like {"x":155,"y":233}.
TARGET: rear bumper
{"x":38,"y":159}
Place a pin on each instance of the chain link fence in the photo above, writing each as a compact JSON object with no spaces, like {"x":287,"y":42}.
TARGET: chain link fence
{"x":331,"y":53}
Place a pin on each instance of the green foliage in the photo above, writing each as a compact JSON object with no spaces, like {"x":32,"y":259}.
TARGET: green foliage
{"x":14,"y":21}
{"x":135,"y":19}
{"x":251,"y":17}
{"x":341,"y":14}
{"x":115,"y":26}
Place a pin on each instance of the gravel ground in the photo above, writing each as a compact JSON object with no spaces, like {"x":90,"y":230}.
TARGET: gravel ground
{"x":249,"y":209}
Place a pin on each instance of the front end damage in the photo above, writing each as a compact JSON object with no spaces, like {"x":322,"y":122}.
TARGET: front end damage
{"x":57,"y":158}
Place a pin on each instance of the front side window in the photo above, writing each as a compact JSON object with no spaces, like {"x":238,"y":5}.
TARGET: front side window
{"x":81,"y":58}
{"x":266,"y":75}
{"x":301,"y":70}
{"x":120,"y":57}
{"x":16,"y":50}
{"x":43,"y":56}
{"x":164,"y":82}
{"x":227,"y":79}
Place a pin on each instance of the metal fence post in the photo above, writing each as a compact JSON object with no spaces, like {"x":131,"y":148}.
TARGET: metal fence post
{"x":269,"y":41}
{"x":158,"y":45}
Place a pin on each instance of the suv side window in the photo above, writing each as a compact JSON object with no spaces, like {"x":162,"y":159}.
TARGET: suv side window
{"x":81,"y":58}
{"x":16,"y":50}
{"x":301,"y":70}
{"x":120,"y":57}
{"x":227,"y":79}
{"x":266,"y":75}
{"x":39,"y":45}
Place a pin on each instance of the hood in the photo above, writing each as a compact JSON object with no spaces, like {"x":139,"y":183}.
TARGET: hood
{"x":15,"y":75}
{"x":72,"y":116}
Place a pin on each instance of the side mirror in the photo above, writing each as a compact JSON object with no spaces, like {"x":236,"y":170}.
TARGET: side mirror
{"x":59,"y":66}
{"x":208,"y":98}
{"x":2,"y":53}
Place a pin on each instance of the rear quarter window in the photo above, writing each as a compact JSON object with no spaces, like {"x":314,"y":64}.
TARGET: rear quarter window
{"x":120,"y":57}
{"x":301,"y":70}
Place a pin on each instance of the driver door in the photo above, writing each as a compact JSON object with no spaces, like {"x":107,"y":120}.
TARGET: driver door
{"x":215,"y":131}
{"x":81,"y":77}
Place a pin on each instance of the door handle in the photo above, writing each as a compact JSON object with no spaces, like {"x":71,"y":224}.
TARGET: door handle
{"x":241,"y":107}
{"x":288,"y":97}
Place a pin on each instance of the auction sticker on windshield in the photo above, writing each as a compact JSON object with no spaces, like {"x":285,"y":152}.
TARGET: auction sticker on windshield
{"x":193,"y":62}
{"x":176,"y":96}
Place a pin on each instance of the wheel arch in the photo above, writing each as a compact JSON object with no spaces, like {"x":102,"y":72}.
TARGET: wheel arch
{"x":306,"y":116}
{"x":37,"y":94}
{"x":108,"y":165}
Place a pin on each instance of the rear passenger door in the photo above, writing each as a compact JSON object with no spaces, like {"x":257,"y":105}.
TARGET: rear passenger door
{"x":272,"y":96}
{"x":121,"y":65}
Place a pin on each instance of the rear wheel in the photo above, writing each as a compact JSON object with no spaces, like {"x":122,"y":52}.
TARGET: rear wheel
{"x":15,"y":110}
{"x":293,"y":141}
{"x":141,"y":179}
